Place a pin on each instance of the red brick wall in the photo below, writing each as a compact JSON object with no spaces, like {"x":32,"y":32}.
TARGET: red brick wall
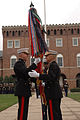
{"x":8,"y":52}
{"x":1,"y":67}
{"x":69,"y":52}
{"x":72,"y":83}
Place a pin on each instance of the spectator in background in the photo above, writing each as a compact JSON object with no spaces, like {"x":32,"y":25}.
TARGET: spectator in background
{"x":66,"y":86}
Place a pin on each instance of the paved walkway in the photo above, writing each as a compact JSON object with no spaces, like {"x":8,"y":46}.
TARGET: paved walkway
{"x":70,"y":110}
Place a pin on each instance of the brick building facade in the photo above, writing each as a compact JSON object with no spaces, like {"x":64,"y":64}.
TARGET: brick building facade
{"x":1,"y":63}
{"x":63,"y":38}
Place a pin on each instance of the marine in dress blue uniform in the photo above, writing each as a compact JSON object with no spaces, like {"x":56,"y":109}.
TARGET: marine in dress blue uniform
{"x":52,"y":88}
{"x":22,"y":87}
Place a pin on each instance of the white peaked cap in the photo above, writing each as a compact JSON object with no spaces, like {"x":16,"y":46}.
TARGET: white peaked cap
{"x":51,"y":52}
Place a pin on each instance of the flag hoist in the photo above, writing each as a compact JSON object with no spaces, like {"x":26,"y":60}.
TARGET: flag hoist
{"x":37,"y":42}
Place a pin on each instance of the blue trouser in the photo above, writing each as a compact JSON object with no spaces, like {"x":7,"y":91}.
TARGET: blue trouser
{"x":23,"y":108}
{"x":54,"y":110}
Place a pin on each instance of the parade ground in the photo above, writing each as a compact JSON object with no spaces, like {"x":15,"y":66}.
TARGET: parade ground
{"x":70,"y":110}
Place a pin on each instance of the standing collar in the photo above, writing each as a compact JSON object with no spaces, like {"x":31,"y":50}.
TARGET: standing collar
{"x":21,"y":60}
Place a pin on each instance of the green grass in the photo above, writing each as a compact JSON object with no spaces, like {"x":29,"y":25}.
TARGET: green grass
{"x":75,"y":96}
{"x":7,"y":100}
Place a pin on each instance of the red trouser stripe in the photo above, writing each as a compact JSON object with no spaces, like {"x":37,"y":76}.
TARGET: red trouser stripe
{"x":51,"y":111}
{"x":22,"y":108}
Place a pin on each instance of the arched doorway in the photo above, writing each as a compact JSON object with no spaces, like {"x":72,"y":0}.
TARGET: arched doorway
{"x":62,"y":79}
{"x":78,"y":80}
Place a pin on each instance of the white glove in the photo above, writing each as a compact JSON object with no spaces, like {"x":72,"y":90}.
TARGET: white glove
{"x":33,"y":74}
{"x":43,"y":84}
{"x":37,"y":60}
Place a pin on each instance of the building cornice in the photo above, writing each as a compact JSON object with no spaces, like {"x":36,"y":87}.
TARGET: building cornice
{"x":48,"y":25}
{"x":13,"y":28}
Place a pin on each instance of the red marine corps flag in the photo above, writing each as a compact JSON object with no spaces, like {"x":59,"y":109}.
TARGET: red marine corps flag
{"x":37,"y":41}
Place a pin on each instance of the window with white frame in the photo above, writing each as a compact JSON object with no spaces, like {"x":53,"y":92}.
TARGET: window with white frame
{"x":60,"y":60}
{"x":32,"y":60}
{"x":16,"y":43}
{"x":75,"y":41}
{"x":10,"y":44}
{"x":12,"y":61}
{"x":59,"y":42}
{"x":78,"y":60}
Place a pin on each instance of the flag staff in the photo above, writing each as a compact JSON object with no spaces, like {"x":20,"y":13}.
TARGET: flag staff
{"x":45,"y":20}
